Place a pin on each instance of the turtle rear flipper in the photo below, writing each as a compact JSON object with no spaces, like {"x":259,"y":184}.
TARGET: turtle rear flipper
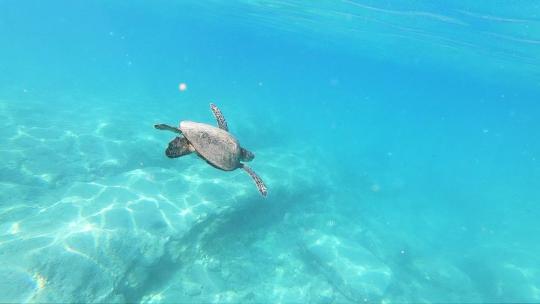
{"x":222,"y":123}
{"x":258,"y":181}
{"x":179,"y":146}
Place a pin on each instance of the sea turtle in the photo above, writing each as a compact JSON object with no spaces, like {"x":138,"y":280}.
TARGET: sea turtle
{"x":215,"y":145}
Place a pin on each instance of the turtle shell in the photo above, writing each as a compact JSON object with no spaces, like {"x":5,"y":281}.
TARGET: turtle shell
{"x":215,"y":145}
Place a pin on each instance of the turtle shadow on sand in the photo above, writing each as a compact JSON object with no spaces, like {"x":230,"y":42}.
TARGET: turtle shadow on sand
{"x":215,"y":145}
{"x":207,"y":236}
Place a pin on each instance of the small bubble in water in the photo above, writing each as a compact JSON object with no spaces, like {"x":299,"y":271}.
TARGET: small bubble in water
{"x":182,"y":86}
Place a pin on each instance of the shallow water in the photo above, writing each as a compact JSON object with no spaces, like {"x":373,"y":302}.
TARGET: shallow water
{"x":399,"y":142}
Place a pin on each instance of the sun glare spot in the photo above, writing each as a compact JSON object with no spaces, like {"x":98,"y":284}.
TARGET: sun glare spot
{"x":182,"y":87}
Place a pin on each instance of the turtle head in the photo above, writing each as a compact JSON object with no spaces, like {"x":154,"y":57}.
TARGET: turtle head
{"x":245,"y":155}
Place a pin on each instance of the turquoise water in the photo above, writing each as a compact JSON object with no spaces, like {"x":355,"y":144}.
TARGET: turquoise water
{"x":399,"y":142}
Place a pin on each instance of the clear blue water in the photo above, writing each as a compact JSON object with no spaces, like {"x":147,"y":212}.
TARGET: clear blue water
{"x":399,"y":142}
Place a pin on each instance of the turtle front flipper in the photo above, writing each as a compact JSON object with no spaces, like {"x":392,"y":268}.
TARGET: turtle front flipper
{"x":258,"y":181}
{"x":179,"y":146}
{"x":167,"y":128}
{"x":222,"y":123}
